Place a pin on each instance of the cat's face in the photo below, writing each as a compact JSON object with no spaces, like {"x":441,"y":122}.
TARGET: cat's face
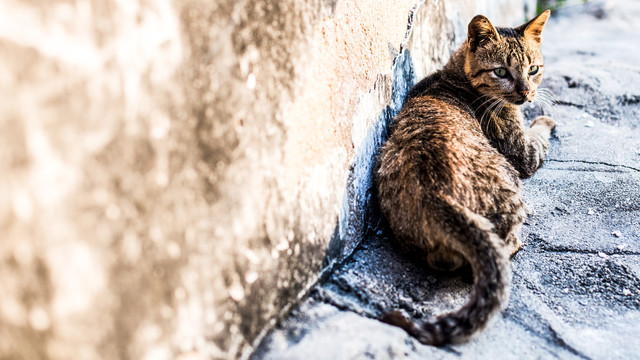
{"x":505,"y":63}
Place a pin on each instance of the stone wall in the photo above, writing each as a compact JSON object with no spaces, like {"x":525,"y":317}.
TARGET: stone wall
{"x":176,"y":174}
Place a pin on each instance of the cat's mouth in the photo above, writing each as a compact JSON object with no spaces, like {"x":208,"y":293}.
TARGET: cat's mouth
{"x":525,"y":98}
{"x":521,"y":101}
{"x":518,"y":99}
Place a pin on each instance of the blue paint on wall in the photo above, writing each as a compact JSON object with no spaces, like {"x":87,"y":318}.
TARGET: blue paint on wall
{"x":359,"y":211}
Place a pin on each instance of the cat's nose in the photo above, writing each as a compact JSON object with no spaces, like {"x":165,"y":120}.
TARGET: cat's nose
{"x":523,"y":89}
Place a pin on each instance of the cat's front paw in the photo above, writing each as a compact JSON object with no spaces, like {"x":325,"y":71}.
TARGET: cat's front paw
{"x":544,"y":121}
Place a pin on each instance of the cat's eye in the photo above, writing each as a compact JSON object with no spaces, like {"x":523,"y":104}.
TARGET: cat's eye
{"x":500,"y":72}
{"x":534,"y":69}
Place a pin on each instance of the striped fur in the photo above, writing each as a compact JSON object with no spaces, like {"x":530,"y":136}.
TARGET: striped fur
{"x":448,"y":178}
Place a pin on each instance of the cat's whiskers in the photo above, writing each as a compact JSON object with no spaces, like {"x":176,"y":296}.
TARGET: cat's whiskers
{"x":489,"y":110}
{"x":502,"y":105}
{"x":546,"y":106}
{"x":547,"y":95}
{"x":498,"y":112}
{"x":546,"y":100}
{"x":547,"y":91}
{"x":486,"y":110}
{"x":481,"y":97}
{"x":481,"y":106}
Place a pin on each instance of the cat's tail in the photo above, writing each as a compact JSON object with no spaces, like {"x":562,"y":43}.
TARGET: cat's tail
{"x":472,"y":235}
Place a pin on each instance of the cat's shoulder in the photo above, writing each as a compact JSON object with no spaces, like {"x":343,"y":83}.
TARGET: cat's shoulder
{"x":426,"y":84}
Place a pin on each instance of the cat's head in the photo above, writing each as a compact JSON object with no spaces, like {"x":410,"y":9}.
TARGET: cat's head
{"x":505,"y":63}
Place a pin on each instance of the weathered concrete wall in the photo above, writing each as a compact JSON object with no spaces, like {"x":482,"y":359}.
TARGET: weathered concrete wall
{"x":174,"y":173}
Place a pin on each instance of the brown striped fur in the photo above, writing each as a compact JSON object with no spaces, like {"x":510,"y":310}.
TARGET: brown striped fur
{"x":448,"y":178}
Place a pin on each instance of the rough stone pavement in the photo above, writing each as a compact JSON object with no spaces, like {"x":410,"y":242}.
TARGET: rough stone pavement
{"x":576,"y":283}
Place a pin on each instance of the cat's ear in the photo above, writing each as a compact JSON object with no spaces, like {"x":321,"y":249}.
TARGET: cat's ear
{"x":533,"y":29}
{"x":481,"y":32}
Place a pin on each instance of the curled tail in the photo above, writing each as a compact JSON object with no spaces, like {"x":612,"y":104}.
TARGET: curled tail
{"x":472,"y":235}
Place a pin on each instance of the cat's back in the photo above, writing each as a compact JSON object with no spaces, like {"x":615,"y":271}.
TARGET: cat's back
{"x":434,"y":109}
{"x":436,"y":146}
{"x":436,"y":129}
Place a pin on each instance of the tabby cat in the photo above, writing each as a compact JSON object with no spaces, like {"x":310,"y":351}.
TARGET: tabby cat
{"x":448,"y":178}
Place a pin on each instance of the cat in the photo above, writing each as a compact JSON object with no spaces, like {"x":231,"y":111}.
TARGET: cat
{"x":448,"y":177}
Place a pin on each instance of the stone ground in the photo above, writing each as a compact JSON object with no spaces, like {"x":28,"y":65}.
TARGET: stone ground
{"x":576,"y":283}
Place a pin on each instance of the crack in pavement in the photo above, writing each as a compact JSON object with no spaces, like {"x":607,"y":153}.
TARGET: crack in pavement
{"x":568,"y":103}
{"x":552,"y":337}
{"x":558,"y":340}
{"x":537,"y":243}
{"x":594,"y":163}
{"x":544,"y":316}
{"x":555,"y":339}
{"x":560,"y":249}
{"x":343,"y":303}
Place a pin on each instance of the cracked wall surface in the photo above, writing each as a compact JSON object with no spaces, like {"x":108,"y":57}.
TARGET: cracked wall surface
{"x":177,"y":174}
